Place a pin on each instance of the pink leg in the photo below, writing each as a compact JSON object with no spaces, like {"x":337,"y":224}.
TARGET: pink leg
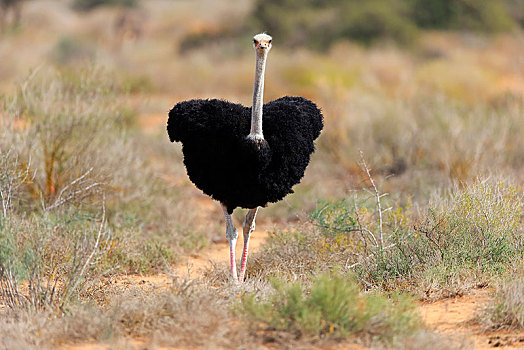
{"x":249,"y":227}
{"x":232,"y":245}
{"x":231,"y":235}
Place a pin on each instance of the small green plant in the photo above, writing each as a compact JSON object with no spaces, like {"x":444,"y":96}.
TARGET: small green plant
{"x":332,"y":306}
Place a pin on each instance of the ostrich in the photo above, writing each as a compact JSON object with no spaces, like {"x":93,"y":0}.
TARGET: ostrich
{"x":229,"y":158}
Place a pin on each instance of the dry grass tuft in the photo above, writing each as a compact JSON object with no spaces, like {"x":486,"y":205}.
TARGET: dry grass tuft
{"x":507,"y":309}
{"x":460,"y":240}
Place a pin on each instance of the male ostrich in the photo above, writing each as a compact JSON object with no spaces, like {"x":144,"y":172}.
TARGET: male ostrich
{"x":229,"y":158}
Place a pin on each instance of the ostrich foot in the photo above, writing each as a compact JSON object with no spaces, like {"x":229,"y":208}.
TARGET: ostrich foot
{"x":248,"y":228}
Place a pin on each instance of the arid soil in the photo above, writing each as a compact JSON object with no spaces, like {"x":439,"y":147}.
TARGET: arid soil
{"x":456,"y":316}
{"x":451,"y":316}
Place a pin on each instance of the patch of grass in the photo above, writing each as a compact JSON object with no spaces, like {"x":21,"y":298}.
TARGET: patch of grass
{"x":167,"y":317}
{"x":470,"y":236}
{"x":295,"y":253}
{"x":479,"y":226}
{"x":421,"y":134}
{"x":68,"y":145}
{"x":460,"y":240}
{"x":72,"y":135}
{"x":46,"y":261}
{"x":332,"y":306}
{"x":507,"y":309}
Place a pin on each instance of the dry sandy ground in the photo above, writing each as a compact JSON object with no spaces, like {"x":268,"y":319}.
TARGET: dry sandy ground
{"x":452,"y":316}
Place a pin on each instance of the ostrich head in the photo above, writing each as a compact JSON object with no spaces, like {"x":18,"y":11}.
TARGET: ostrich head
{"x":262,"y":42}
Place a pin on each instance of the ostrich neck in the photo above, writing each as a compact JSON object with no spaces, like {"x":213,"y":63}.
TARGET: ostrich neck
{"x":258,"y":96}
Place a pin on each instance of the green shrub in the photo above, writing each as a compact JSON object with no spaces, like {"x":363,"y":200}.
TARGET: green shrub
{"x":70,"y":50}
{"x":478,"y":229}
{"x":485,"y":16}
{"x":332,"y":306}
{"x":67,"y":148}
{"x":318,"y":24}
{"x":460,"y":240}
{"x":86,"y":5}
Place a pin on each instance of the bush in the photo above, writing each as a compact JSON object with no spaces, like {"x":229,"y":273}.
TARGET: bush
{"x":56,"y":257}
{"x":86,"y":5}
{"x":459,"y":241}
{"x":478,"y":229}
{"x":485,"y":16}
{"x":318,"y":24}
{"x":67,"y":149}
{"x":69,"y":50}
{"x":69,"y":138}
{"x":332,"y":306}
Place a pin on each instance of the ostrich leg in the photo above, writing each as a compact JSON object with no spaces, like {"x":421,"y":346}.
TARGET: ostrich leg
{"x":231,"y":235}
{"x":249,"y":227}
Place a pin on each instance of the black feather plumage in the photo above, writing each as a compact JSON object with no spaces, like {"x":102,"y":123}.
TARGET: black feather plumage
{"x":234,"y":170}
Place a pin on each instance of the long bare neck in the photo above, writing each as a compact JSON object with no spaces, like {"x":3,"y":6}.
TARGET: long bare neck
{"x":258,"y":96}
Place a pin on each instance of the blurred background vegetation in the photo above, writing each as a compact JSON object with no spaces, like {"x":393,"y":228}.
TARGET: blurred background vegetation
{"x":319,"y":24}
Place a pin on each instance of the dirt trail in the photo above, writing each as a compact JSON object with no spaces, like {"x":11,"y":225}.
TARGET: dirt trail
{"x":451,"y":316}
{"x":455,"y":316}
{"x":194,"y":266}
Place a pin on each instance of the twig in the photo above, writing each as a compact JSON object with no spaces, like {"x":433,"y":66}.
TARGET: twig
{"x":80,"y":276}
{"x":59,"y":200}
{"x":378,"y":196}
{"x":363,"y":229}
{"x":371,"y":255}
